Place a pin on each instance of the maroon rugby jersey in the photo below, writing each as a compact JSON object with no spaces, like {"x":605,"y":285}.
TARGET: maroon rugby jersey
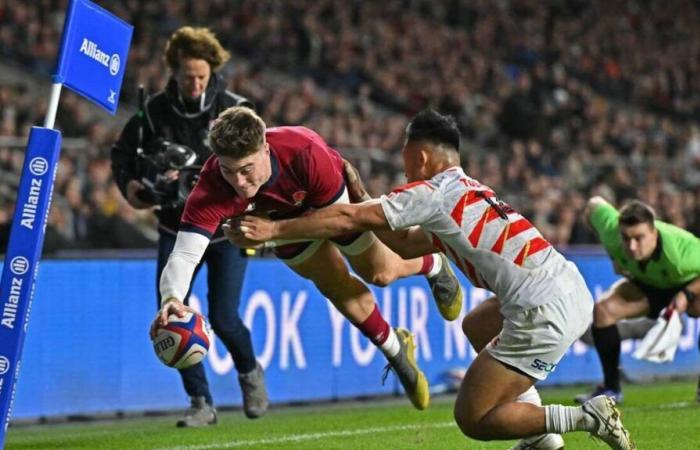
{"x":306,"y":173}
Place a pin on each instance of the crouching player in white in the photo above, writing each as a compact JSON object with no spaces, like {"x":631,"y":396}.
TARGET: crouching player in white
{"x":544,"y":303}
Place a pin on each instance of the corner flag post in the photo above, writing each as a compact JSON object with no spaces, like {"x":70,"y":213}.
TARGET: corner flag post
{"x":92,"y":61}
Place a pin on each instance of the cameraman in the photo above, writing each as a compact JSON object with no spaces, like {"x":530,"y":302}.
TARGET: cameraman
{"x":171,"y":123}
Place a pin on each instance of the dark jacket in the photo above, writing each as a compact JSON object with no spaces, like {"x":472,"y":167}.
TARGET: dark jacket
{"x":169,"y":117}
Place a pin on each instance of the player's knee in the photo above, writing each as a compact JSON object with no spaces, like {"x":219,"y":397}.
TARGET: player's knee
{"x":381,"y":279}
{"x":602,"y":315}
{"x":469,"y":425}
{"x":468,"y":327}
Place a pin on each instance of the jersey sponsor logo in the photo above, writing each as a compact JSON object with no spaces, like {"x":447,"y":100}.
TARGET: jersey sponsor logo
{"x":299,"y":197}
{"x":544,"y":366}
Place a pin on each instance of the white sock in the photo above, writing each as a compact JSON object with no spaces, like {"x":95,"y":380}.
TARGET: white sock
{"x":391,"y":346}
{"x":530,"y":396}
{"x":437,"y":266}
{"x":562,"y":419}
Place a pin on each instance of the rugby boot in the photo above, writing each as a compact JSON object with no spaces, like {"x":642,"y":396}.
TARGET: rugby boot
{"x":446,"y":290}
{"x":600,"y":390}
{"x":609,"y":426}
{"x":549,"y":441}
{"x":199,"y":414}
{"x":255,"y":400}
{"x":406,"y":369}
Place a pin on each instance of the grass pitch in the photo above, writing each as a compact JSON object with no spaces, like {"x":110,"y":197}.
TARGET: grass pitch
{"x":659,"y":416}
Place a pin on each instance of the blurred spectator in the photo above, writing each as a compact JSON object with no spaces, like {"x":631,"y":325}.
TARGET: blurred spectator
{"x":558,"y":102}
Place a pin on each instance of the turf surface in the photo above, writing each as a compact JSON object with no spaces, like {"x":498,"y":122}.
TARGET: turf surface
{"x":659,"y":416}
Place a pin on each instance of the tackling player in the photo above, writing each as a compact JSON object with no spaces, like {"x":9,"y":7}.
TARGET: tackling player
{"x":285,"y":172}
{"x":543,"y":300}
{"x":661,"y":267}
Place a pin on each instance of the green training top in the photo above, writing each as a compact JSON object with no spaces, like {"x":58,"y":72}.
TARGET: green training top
{"x":674,"y":263}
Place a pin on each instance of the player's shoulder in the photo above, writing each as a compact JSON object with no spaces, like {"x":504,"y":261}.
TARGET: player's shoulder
{"x":210,"y":176}
{"x":674,"y":234}
{"x":291,"y":135}
{"x":211,"y":164}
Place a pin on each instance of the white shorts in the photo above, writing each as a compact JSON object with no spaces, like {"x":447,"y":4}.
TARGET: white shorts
{"x":534,"y":340}
{"x":351,"y":244}
{"x":294,"y":254}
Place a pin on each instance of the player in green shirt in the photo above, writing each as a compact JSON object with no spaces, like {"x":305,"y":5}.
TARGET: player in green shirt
{"x":661,"y":266}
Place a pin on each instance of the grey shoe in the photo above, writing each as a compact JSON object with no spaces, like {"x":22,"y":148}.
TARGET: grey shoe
{"x":255,"y":401}
{"x":199,"y":414}
{"x":609,"y":426}
{"x":446,"y":290}
{"x":406,"y":369}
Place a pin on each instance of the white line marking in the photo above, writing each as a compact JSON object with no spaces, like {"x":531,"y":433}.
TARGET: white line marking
{"x":677,"y":405}
{"x":312,"y":436}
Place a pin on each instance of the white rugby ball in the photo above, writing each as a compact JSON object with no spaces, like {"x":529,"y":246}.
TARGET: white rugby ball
{"x":184,"y":341}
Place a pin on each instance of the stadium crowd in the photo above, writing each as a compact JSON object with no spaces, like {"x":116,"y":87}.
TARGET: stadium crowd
{"x":557,"y":103}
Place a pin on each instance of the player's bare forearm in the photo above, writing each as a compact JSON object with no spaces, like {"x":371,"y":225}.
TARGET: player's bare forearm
{"x":408,"y":243}
{"x":331,"y":221}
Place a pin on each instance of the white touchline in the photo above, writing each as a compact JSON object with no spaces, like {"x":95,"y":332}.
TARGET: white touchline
{"x":310,"y":436}
{"x":332,"y":434}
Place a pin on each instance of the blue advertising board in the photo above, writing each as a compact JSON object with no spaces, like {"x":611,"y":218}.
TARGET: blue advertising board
{"x":89,"y":350}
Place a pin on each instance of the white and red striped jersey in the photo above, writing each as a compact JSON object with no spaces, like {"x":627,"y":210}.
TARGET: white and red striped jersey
{"x":496,"y":247}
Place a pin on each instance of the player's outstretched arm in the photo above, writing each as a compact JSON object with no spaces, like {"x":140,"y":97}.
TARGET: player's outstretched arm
{"x":407,"y":243}
{"x":330,"y":221}
{"x":177,"y":275}
{"x":592,"y":204}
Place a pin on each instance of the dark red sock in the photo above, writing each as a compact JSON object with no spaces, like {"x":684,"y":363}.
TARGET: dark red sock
{"x":375,"y":327}
{"x":428,"y":261}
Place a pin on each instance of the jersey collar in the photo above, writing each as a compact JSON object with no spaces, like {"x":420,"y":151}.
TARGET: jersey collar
{"x":656,"y":254}
{"x":274,"y":169}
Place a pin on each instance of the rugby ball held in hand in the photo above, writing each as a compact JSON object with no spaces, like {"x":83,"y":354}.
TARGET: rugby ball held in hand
{"x":184,"y":341}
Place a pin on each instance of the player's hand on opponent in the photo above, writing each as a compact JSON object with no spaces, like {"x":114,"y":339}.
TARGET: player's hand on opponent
{"x":356,"y":189}
{"x":233,"y":232}
{"x":171,"y":306}
{"x":257,"y":229}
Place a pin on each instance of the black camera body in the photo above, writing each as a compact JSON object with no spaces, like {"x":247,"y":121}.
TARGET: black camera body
{"x":160,"y":158}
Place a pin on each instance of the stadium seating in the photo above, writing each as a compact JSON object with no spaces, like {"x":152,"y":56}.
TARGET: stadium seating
{"x":556,"y":103}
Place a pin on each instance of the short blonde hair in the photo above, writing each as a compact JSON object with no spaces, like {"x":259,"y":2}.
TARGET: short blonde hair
{"x":198,"y":43}
{"x":237,"y":133}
